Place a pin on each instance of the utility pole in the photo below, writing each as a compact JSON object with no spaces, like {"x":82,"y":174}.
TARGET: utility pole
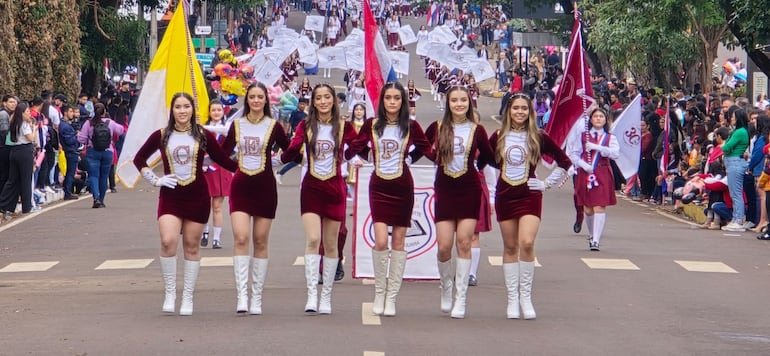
{"x":202,"y":18}
{"x":153,"y":32}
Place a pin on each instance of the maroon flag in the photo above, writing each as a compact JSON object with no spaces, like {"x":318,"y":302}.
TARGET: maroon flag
{"x":575,"y":93}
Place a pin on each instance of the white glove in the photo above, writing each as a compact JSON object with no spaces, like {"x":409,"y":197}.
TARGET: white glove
{"x":276,"y":161}
{"x":356,"y":161}
{"x":168,"y":181}
{"x":408,"y":160}
{"x":603,"y":150}
{"x":536,"y":184}
{"x":585,"y":166}
{"x":556,"y":178}
{"x":571,"y":171}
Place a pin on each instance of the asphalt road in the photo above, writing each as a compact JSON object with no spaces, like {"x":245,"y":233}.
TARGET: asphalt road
{"x":638,"y":296}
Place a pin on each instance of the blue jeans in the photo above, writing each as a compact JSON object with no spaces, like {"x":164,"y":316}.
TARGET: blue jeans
{"x":502,"y":80}
{"x":721,"y":209}
{"x":99,"y":163}
{"x":736,"y":167}
{"x":69,"y":176}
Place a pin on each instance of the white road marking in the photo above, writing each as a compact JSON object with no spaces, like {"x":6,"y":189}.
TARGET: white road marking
{"x":300,"y":261}
{"x":29,"y":266}
{"x":217,"y":261}
{"x":706,"y":266}
{"x":125,"y":264}
{"x":610,"y":263}
{"x":367,"y":317}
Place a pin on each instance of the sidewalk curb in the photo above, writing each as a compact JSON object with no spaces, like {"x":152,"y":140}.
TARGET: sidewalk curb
{"x":55,"y":205}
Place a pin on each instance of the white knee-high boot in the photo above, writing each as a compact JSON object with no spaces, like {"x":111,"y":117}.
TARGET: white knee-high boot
{"x":258,"y":275}
{"x":511,"y":274}
{"x":380,"y":262}
{"x":241,"y":271}
{"x":191,"y":269}
{"x":312,"y":262}
{"x":445,"y":272}
{"x":462,"y":271}
{"x":395,"y":277}
{"x":527,"y":275}
{"x":330,"y":268}
{"x":168,"y":270}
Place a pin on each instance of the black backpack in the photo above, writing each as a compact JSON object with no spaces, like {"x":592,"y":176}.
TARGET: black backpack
{"x":102,"y":136}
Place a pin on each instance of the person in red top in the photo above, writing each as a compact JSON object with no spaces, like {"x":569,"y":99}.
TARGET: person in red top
{"x":184,"y":203}
{"x":517,"y":84}
{"x":615,"y":103}
{"x":458,"y":191}
{"x":519,"y":146}
{"x":648,"y":168}
{"x":252,"y":210}
{"x":322,"y":191}
{"x":391,"y":188}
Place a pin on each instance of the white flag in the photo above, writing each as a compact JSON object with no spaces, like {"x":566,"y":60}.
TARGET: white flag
{"x":422,"y":48}
{"x":264,"y":55}
{"x":268,"y":74}
{"x":272,"y":31}
{"x":481,"y":70}
{"x":406,"y":34}
{"x":314,"y":23}
{"x":354,"y":57}
{"x":400,"y":61}
{"x":288,"y":32}
{"x":305,"y":47}
{"x":628,"y":130}
{"x":442,"y":34}
{"x":331,"y":57}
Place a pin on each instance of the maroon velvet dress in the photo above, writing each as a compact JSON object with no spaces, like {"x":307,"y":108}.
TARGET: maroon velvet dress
{"x":485,"y":215}
{"x":513,"y":198}
{"x":190,"y":200}
{"x":391,"y":187}
{"x":322,"y":191}
{"x":253,"y":190}
{"x":603,"y":192}
{"x":458,"y":187}
{"x":218,"y":178}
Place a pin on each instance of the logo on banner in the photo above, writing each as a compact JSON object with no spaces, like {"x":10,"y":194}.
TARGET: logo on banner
{"x":421,"y":236}
{"x":631,"y":137}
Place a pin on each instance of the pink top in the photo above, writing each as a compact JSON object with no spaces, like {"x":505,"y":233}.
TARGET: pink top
{"x":84,"y":136}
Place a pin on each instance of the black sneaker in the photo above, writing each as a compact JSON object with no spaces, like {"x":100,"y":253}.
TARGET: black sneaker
{"x":340,"y":274}
{"x":216,"y":245}
{"x":70,"y":197}
{"x":96,"y":205}
{"x":205,"y":239}
{"x":577,"y":227}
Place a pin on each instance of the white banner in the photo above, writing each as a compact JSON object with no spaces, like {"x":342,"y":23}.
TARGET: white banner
{"x":422,"y":48}
{"x":421,"y":244}
{"x":442,"y":34}
{"x":314,"y":23}
{"x":400,"y":61}
{"x":406,"y":34}
{"x":628,"y":130}
{"x":482,"y":70}
{"x":268,"y":74}
{"x":272,"y":31}
{"x":354,"y":57}
{"x":331,"y":57}
{"x":305,"y":47}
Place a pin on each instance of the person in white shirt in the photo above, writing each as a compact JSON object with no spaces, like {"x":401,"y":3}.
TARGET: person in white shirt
{"x":392,"y":25}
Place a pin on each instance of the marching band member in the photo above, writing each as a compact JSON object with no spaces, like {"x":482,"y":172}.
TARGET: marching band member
{"x":322,"y":191}
{"x":184,"y":202}
{"x":217,"y":179}
{"x":519,"y":146}
{"x":595,"y":187}
{"x":414,"y":95}
{"x":253,"y":198}
{"x":458,"y":191}
{"x":391,"y":188}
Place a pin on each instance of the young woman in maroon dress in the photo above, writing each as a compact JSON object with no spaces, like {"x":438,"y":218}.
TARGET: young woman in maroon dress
{"x":184,"y":202}
{"x":458,"y":191}
{"x":595,"y":188}
{"x":391,"y":188}
{"x":322,"y":191}
{"x":217,"y":178}
{"x":414,"y":95}
{"x":253,"y":195}
{"x":519,"y":145}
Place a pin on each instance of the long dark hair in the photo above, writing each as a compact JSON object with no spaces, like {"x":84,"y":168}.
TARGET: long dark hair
{"x":446,"y":132}
{"x":607,"y":119}
{"x":741,"y":119}
{"x":17,"y":119}
{"x":196,"y":130}
{"x":265,"y":109}
{"x":403,"y":113}
{"x":100,"y":111}
{"x":312,"y":121}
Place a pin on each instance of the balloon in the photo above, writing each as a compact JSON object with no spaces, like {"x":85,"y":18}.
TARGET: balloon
{"x":223,"y":69}
{"x":274,"y":94}
{"x":226,"y":56}
{"x":247,"y":72}
{"x":233,"y":86}
{"x":216,"y":85}
{"x":230,"y":99}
